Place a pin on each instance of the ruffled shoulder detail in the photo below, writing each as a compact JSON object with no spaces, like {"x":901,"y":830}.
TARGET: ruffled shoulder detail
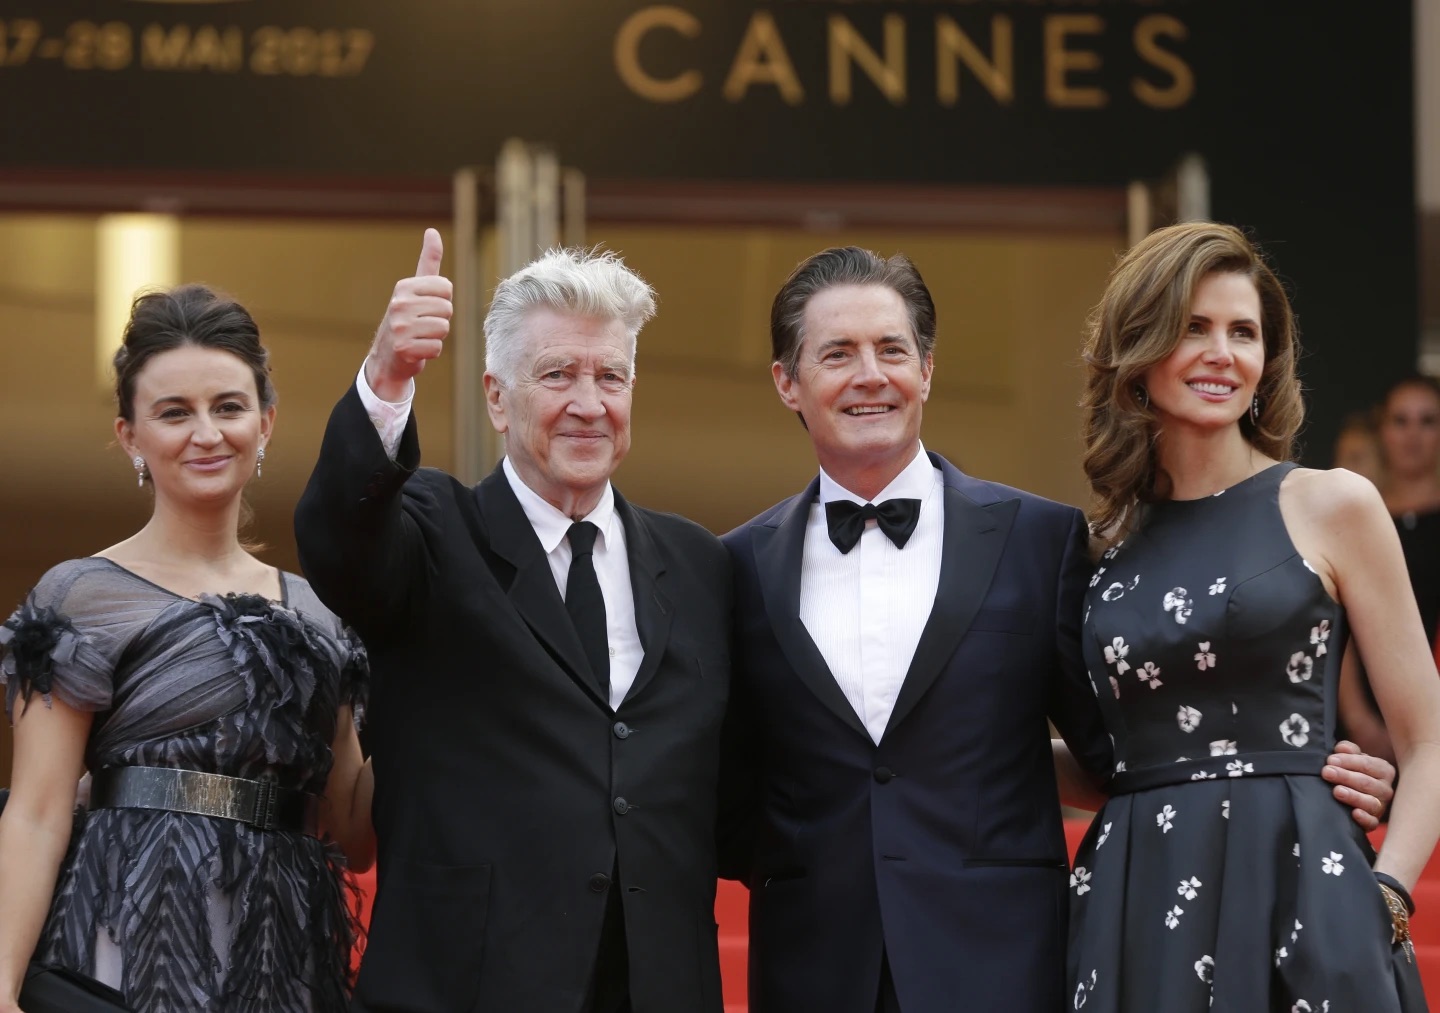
{"x":282,"y":663}
{"x":32,"y":642}
{"x":354,"y":675}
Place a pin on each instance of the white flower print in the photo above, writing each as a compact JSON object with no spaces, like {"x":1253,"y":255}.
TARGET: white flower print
{"x":1318,"y":636}
{"x":1172,"y":917}
{"x":1205,"y":658}
{"x":1301,"y":667}
{"x":1104,"y":836}
{"x":1120,"y":767}
{"x":1096,"y":579}
{"x":1296,"y":852}
{"x":1301,"y":1006}
{"x":1188,"y":718}
{"x":1280,"y":953}
{"x":1115,"y":652}
{"x":1331,"y":863}
{"x":1080,"y":881}
{"x":1239,"y":768}
{"x":1296,"y":934}
{"x":1201,"y":775}
{"x":1150,"y":674}
{"x":1175,"y":601}
{"x":1225,"y":808}
{"x":1219,"y":586}
{"x":1115,"y":687}
{"x":1113,"y":592}
{"x":1188,"y":887}
{"x":1087,"y":616}
{"x":1113,"y":551}
{"x":1222,"y":747}
{"x":1205,"y":969}
{"x":1165,"y":817}
{"x":1295,"y":730}
{"x":1083,"y":990}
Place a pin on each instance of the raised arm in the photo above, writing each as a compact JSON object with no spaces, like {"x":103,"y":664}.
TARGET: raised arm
{"x":362,"y":550}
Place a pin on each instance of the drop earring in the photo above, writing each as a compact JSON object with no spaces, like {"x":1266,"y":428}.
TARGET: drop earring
{"x":1255,"y":410}
{"x":1142,"y":396}
{"x":259,"y":460}
{"x":139,"y":463}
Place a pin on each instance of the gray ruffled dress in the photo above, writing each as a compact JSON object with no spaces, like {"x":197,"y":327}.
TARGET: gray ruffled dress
{"x":180,"y":911}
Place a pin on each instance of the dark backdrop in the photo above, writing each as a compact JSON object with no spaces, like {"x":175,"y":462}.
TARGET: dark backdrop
{"x":1302,"y":111}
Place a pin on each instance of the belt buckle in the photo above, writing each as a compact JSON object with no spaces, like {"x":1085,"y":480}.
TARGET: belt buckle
{"x":266,"y":804}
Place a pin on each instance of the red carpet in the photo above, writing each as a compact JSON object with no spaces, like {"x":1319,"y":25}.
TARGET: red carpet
{"x":732,"y":902}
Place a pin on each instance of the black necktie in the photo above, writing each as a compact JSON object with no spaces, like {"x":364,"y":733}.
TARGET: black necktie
{"x":896,"y":517}
{"x":586,"y":604}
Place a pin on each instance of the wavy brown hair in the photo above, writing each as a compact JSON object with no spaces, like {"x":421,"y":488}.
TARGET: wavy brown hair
{"x":1140,"y":320}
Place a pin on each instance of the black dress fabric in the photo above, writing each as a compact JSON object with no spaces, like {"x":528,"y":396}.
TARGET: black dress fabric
{"x":1221,"y":875}
{"x":178,"y":911}
{"x":1420,"y":540}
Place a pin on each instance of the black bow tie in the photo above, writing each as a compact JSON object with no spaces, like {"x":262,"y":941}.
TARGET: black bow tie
{"x":896,"y":517}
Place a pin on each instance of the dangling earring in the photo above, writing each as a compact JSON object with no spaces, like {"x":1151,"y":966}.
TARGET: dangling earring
{"x":139,"y":463}
{"x":1255,"y":410}
{"x":259,"y":460}
{"x":1142,"y":395}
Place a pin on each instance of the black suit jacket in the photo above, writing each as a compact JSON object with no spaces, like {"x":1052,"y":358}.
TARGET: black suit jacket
{"x":941,"y":846}
{"x":506,"y":789}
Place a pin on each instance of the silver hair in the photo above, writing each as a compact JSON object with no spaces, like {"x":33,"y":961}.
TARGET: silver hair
{"x":589,"y":283}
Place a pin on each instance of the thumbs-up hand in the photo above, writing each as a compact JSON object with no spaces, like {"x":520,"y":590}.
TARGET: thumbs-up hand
{"x":415,"y":326}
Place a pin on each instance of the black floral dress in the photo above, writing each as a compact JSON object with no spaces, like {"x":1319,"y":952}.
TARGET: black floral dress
{"x":1222,"y":875}
{"x":178,"y":911}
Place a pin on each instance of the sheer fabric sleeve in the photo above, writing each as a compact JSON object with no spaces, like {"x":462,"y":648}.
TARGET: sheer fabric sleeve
{"x":64,"y":640}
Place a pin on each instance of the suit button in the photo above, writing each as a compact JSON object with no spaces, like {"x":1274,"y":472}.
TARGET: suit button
{"x":621,"y":806}
{"x":884,"y":775}
{"x":622,"y":730}
{"x":599,"y":883}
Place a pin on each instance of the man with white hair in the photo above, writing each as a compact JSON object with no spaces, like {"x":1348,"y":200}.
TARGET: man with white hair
{"x":550,"y":665}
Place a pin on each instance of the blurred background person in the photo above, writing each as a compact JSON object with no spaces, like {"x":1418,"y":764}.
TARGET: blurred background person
{"x":1357,"y":447}
{"x":211,"y":697}
{"x":1410,"y":446}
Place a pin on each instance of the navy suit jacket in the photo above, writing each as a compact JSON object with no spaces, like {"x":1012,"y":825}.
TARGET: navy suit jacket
{"x":942,"y":846}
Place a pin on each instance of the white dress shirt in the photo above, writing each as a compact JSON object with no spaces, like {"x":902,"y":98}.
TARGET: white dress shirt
{"x":612,"y":563}
{"x":865,"y":609}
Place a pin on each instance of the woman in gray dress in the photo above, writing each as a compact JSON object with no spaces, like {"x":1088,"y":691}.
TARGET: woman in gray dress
{"x":211,"y":697}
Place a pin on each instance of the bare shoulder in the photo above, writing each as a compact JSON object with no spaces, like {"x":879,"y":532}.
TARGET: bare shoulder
{"x":1332,"y":496}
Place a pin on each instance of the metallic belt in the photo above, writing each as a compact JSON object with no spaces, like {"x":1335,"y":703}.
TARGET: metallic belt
{"x":260,"y":804}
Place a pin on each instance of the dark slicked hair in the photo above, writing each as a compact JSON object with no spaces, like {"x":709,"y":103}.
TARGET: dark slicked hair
{"x":847,"y":265}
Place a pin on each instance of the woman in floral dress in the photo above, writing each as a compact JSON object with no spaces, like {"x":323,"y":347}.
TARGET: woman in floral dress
{"x":1220,"y":874}
{"x":211,"y":698}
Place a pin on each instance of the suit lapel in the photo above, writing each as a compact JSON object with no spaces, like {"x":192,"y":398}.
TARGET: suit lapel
{"x":532,"y":591}
{"x":652,"y":605}
{"x":974,"y":538}
{"x":779,"y":552}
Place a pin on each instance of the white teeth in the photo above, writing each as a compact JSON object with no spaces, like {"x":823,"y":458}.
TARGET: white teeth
{"x":1211,"y":388}
{"x":877,"y":410}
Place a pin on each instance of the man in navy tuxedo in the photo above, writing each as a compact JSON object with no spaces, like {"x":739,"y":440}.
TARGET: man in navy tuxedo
{"x":903,"y":631}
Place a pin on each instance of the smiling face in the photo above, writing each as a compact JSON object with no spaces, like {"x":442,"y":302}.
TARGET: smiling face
{"x":860,"y":384}
{"x":1208,"y":381}
{"x":198,"y":424}
{"x":566,"y":416}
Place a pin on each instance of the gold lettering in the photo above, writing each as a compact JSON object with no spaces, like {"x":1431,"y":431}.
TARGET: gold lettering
{"x":847,"y":46}
{"x":627,"y":54}
{"x":762,"y":59}
{"x":212,"y":51}
{"x":161,"y":49}
{"x":997,"y":74}
{"x":1182,"y":79}
{"x":1060,"y":61}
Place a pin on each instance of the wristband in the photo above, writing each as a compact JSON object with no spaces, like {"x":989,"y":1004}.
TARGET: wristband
{"x":1385,"y":879}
